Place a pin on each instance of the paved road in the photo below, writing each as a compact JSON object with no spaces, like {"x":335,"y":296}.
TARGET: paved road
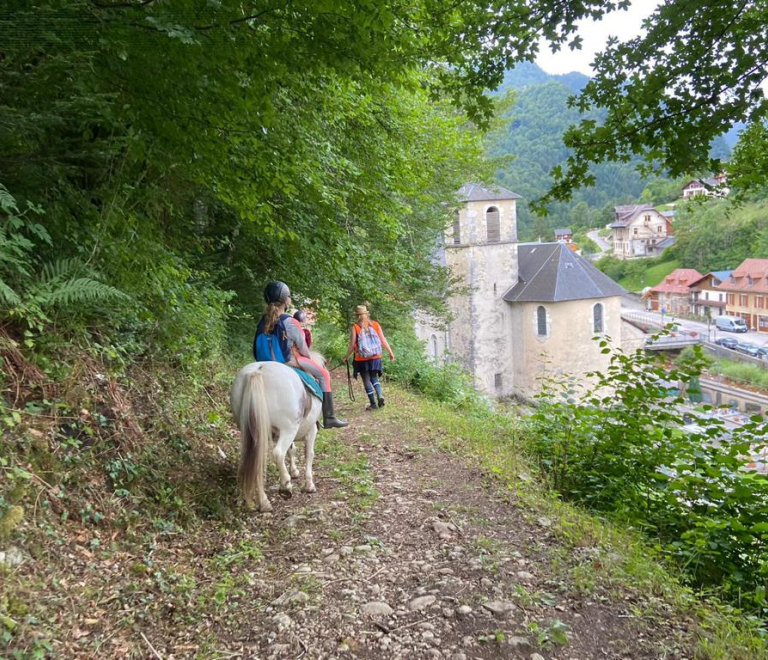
{"x":604,"y":245}
{"x":758,"y":338}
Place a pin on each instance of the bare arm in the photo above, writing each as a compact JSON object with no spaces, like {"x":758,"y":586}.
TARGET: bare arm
{"x":351,"y":347}
{"x":384,"y":341}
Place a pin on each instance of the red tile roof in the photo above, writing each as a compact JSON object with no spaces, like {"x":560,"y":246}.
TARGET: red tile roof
{"x":678,"y":281}
{"x":751,"y":275}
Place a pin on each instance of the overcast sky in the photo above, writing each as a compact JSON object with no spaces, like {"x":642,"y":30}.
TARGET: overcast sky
{"x":621,"y":24}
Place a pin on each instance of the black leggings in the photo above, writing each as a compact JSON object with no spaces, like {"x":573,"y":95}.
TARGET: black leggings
{"x":371,"y":383}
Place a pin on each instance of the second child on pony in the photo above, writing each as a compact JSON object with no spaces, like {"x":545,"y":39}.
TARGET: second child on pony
{"x":280,"y":338}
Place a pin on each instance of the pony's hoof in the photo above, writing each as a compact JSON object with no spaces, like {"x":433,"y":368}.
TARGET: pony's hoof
{"x":310,"y":488}
{"x":286,"y":493}
{"x":295,"y":474}
{"x":265,"y":507}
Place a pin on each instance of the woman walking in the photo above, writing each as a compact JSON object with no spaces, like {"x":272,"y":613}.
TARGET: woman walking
{"x":366,"y":339}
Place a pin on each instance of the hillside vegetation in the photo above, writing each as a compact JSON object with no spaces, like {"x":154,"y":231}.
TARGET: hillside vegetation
{"x":637,"y":274}
{"x":719,"y":235}
{"x":534,"y":139}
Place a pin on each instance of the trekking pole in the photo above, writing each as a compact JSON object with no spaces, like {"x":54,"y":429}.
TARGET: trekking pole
{"x":349,"y":382}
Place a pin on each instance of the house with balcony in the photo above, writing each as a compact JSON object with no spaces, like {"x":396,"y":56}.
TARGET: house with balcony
{"x":673,"y":295}
{"x":746,"y":293}
{"x":640,"y":231}
{"x":708,"y":299}
{"x":709,"y":186}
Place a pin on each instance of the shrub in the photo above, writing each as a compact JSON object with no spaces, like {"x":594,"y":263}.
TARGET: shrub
{"x":625,"y":449}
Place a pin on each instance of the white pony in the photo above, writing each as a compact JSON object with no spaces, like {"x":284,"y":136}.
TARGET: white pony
{"x":271,"y":401}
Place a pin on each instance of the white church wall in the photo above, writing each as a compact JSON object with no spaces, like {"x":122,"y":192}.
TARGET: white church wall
{"x":568,"y":348}
{"x":433,"y":335}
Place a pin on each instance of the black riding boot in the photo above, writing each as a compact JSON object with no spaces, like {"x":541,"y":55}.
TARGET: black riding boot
{"x":329,"y":417}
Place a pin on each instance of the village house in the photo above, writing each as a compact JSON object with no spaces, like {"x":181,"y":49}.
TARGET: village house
{"x":640,"y":231}
{"x":673,"y":295}
{"x":522,"y":311}
{"x":746,"y":293}
{"x":707,"y":186}
{"x":708,"y":299}
{"x":564,"y":235}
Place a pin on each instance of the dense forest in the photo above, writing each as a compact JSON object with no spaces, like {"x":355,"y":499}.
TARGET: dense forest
{"x":158,"y":167}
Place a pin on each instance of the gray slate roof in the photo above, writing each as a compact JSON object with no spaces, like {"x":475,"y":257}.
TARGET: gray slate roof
{"x":669,"y":241}
{"x":707,"y":182}
{"x":563,"y":230}
{"x":550,"y":272}
{"x":625,"y":214}
{"x":474,"y":192}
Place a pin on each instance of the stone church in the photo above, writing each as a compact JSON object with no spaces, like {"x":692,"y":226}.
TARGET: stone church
{"x":522,"y":311}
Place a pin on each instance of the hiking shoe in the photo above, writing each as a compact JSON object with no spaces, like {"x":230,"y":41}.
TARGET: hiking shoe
{"x":381,"y":402}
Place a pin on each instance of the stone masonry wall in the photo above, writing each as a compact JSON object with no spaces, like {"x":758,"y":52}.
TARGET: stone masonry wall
{"x":568,"y":349}
{"x":479,"y":331}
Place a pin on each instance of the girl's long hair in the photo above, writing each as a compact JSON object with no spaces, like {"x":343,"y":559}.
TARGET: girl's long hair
{"x":271,"y":316}
{"x":364,"y":320}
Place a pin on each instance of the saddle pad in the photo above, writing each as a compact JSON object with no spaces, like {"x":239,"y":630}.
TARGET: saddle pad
{"x":310,"y":383}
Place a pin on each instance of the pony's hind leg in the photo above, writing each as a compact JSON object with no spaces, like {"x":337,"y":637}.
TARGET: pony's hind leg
{"x":282,"y":446}
{"x":309,"y":456}
{"x":292,"y":461}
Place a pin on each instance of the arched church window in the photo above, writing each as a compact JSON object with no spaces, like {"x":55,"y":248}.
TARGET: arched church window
{"x":597,"y":318}
{"x":492,"y":224}
{"x":541,"y":321}
{"x":456,"y":229}
{"x":434,"y":346}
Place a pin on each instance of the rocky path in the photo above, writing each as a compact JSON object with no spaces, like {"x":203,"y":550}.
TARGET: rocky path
{"x":406,"y":551}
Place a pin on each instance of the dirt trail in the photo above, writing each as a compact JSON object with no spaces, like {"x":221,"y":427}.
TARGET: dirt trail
{"x":408,"y":552}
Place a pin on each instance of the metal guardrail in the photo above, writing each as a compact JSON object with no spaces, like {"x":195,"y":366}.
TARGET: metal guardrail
{"x":683,"y":338}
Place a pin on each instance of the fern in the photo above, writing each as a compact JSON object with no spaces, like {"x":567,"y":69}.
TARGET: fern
{"x":76,"y":291}
{"x":60,"y":268}
{"x":67,"y":282}
{"x":7,"y":201}
{"x":8,"y":296}
{"x":63,"y":284}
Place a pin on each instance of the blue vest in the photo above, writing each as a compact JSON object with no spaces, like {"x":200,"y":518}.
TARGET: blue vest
{"x":272,"y":347}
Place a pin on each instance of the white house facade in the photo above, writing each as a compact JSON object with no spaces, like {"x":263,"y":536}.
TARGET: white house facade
{"x":640,"y":231}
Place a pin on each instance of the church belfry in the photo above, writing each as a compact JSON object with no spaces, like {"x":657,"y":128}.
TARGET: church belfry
{"x":480,"y":250}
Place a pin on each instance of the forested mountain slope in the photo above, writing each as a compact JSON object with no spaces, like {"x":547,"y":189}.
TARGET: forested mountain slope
{"x":538,"y":120}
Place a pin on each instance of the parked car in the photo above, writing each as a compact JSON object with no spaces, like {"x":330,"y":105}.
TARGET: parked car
{"x":727,"y":342}
{"x":762,"y":353}
{"x":731,"y":324}
{"x":749,"y":349}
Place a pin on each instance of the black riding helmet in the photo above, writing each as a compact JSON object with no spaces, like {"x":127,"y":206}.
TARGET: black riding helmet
{"x":300,"y":316}
{"x":277,"y":292}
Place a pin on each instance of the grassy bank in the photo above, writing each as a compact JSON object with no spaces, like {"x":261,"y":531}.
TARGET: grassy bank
{"x":636,"y":274}
{"x":752,"y":375}
{"x":640,"y":278}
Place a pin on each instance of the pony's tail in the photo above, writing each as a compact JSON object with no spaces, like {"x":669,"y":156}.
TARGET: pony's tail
{"x":256,"y":430}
